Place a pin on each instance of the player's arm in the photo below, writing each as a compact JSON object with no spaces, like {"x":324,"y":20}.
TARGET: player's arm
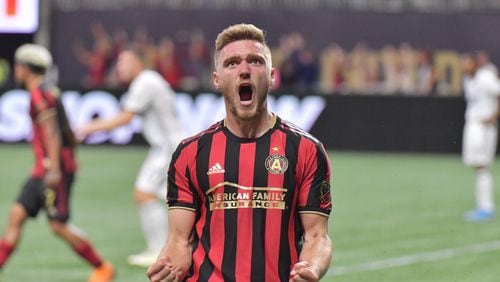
{"x":316,"y":254}
{"x":47,"y":120}
{"x":124,"y":117}
{"x":493,"y":84}
{"x":174,"y":260}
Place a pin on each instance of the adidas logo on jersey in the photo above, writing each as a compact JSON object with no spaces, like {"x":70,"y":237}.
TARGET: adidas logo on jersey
{"x":216,"y":168}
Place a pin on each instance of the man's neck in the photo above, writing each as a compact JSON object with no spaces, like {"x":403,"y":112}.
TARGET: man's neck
{"x":250,"y":128}
{"x":34,"y":82}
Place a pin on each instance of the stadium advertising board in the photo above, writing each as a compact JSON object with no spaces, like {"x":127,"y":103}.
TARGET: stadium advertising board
{"x":19,"y":16}
{"x":196,"y":113}
{"x":341,"y":122}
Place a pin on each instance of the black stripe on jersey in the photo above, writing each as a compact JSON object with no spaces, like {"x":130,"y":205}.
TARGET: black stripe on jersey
{"x":66,"y":134}
{"x":232,"y":158}
{"x":172,"y":191}
{"x":258,"y":269}
{"x":291,"y":153}
{"x":320,"y":175}
{"x":196,"y":197}
{"x":196,"y":203}
{"x":202,"y":159}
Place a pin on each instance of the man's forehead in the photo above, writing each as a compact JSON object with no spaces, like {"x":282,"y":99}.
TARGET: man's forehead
{"x":242,"y":47}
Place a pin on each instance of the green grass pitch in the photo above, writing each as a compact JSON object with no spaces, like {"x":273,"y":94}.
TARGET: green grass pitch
{"x":399,"y":213}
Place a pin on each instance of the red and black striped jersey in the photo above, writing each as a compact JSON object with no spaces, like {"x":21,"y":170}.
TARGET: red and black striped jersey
{"x":247,"y":195}
{"x":45,"y":102}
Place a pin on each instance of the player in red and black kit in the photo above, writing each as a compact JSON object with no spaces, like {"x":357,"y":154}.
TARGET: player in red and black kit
{"x":249,"y":198}
{"x":49,"y":186}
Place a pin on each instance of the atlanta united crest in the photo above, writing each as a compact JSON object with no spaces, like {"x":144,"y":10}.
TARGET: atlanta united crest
{"x":276,"y":164}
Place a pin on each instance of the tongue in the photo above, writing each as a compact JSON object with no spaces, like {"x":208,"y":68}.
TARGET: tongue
{"x":246,"y":95}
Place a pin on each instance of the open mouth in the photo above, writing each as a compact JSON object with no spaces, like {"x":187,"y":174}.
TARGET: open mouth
{"x":245,"y":92}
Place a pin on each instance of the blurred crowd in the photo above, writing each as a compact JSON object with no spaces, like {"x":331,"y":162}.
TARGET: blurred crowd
{"x":185,"y":62}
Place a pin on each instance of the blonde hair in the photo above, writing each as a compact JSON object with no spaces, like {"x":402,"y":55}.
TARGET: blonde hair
{"x":240,"y":32}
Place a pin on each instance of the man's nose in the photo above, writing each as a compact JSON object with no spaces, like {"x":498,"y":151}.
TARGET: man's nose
{"x":244,"y":70}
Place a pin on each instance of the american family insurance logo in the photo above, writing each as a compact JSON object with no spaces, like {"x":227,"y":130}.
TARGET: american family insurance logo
{"x":19,"y":16}
{"x":228,"y":195}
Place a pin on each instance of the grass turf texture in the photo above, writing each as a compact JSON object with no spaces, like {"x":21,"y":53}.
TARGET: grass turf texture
{"x":386,"y":206}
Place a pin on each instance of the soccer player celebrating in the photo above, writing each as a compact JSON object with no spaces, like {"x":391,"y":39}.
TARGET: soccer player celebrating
{"x":482,"y":88}
{"x":52,"y":176}
{"x":249,"y":198}
{"x":151,"y":97}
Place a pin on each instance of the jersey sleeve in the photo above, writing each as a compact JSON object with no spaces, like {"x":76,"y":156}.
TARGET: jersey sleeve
{"x":42,"y":108}
{"x":314,"y":189}
{"x":492,"y":83}
{"x":180,"y":191}
{"x":140,"y":95}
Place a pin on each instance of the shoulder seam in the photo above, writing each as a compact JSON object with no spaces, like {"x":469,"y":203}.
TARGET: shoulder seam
{"x":290,"y":127}
{"x":212,"y":129}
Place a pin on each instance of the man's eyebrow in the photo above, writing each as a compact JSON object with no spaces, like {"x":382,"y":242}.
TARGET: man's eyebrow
{"x":253,"y":56}
{"x":235,"y":57}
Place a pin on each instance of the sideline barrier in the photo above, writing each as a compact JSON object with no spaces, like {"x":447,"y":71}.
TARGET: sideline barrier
{"x":376,"y":123}
{"x":196,"y":113}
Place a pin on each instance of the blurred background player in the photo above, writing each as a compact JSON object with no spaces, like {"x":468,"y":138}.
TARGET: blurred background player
{"x":151,"y":97}
{"x":49,"y":186}
{"x":482,"y":88}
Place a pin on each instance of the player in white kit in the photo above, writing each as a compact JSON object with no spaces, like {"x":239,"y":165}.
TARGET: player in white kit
{"x":482,"y":90}
{"x":150,"y":97}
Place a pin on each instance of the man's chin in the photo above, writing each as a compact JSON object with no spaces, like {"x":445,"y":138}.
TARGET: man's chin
{"x":20,"y":84}
{"x":247,"y":114}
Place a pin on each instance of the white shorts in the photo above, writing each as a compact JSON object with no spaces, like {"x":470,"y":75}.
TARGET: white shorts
{"x":152,"y":177}
{"x":479,"y":144}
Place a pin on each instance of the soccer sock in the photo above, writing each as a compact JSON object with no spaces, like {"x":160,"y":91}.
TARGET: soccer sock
{"x":88,"y":253}
{"x":484,"y":189}
{"x":153,"y":217}
{"x":5,"y":250}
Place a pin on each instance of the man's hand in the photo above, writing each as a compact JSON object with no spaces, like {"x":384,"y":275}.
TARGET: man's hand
{"x":52,"y":178}
{"x":491,"y":120}
{"x":163,"y":271}
{"x":302,"y":271}
{"x":83,"y":131}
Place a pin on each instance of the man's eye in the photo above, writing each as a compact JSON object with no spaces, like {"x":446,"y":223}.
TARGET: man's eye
{"x":231,"y":63}
{"x":256,"y":61}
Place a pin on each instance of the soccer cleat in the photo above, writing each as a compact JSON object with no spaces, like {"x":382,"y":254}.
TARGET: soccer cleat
{"x":479,"y":215}
{"x":144,"y":259}
{"x":103,"y":273}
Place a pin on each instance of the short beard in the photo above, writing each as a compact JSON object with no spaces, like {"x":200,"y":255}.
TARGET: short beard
{"x":21,"y":84}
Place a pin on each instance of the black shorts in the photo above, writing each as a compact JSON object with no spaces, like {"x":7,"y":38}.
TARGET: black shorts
{"x":55,"y":201}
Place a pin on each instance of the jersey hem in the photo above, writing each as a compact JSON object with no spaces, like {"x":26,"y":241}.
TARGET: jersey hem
{"x":315,"y":212}
{"x":181,"y":208}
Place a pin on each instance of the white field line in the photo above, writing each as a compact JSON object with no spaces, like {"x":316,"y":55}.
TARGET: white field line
{"x":414,"y":258}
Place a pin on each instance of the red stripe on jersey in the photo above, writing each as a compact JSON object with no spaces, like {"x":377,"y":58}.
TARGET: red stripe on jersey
{"x":69,"y":160}
{"x":308,"y":154}
{"x":37,"y":104}
{"x":273,"y":216}
{"x":217,"y":156}
{"x":245,"y":216}
{"x":61,"y":198}
{"x":181,"y":165}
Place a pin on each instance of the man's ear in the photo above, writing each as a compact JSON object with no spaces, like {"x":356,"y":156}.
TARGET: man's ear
{"x":272,"y":80}
{"x":215,"y":80}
